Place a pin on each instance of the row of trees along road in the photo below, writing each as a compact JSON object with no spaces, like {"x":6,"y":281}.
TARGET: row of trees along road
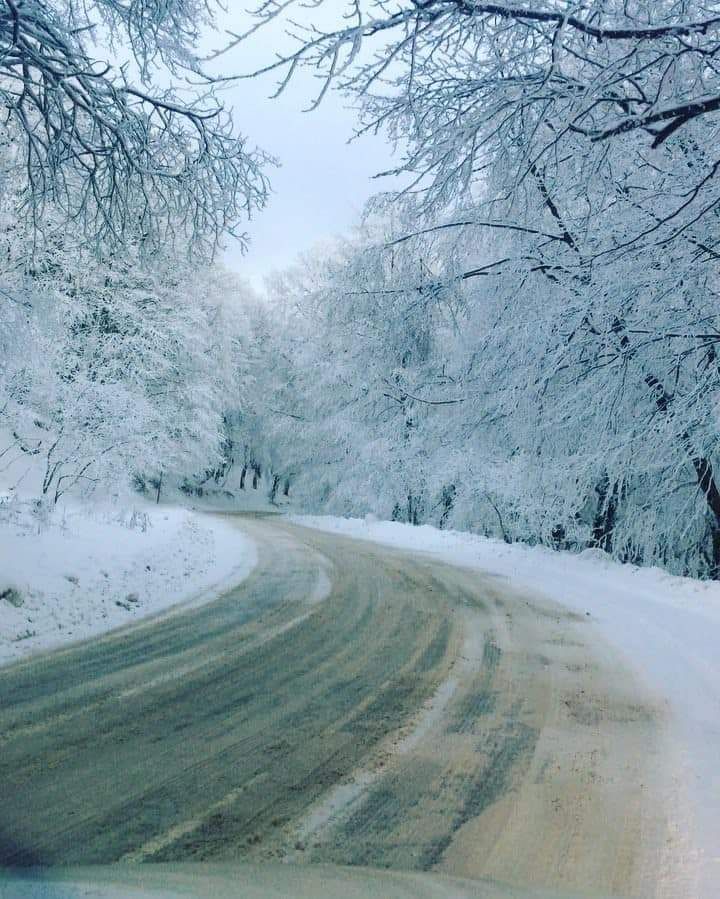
{"x":119,"y":354}
{"x":525,"y":341}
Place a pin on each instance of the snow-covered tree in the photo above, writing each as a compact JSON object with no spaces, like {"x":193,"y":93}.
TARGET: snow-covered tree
{"x":538,"y":309}
{"x":511,"y":403}
{"x":113,"y":366}
{"x":622,"y":96}
{"x":98,"y":136}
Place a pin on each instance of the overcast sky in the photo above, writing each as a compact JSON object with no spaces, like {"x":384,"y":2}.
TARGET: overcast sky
{"x":322,"y":183}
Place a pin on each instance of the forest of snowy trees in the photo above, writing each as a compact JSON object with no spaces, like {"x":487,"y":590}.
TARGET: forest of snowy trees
{"x":119,"y":337}
{"x":523,"y":342}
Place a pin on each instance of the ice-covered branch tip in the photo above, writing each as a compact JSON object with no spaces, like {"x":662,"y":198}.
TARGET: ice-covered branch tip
{"x":127,"y":161}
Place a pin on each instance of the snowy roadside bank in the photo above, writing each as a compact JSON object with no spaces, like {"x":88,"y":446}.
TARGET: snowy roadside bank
{"x":667,"y":627}
{"x":86,"y":572}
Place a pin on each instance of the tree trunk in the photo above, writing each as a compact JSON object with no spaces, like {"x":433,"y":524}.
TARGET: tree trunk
{"x":274,"y":488}
{"x":708,"y":486}
{"x":703,"y":471}
{"x":604,"y":522}
{"x":448,"y":501}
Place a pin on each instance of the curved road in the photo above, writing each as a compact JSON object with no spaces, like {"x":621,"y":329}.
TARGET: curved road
{"x":347,"y":704}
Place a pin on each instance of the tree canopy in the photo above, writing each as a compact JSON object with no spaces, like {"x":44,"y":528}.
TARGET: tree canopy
{"x":111,"y":144}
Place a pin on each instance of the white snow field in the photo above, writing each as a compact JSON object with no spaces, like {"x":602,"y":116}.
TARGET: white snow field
{"x":668,"y":628}
{"x":87,"y":570}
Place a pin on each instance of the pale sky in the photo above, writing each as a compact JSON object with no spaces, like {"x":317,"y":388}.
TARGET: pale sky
{"x":323,"y":182}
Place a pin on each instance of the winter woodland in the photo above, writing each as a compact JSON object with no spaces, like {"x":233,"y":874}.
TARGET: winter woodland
{"x":522,"y":341}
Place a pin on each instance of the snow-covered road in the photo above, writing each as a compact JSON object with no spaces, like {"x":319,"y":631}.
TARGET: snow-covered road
{"x":668,"y":630}
{"x":345,"y":704}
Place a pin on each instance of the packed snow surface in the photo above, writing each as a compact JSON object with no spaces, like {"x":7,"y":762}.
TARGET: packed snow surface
{"x":80,"y":571}
{"x":667,"y":627}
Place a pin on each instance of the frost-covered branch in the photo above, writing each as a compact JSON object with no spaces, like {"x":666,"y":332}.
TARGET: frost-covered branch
{"x":118,"y":154}
{"x":498,"y":99}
